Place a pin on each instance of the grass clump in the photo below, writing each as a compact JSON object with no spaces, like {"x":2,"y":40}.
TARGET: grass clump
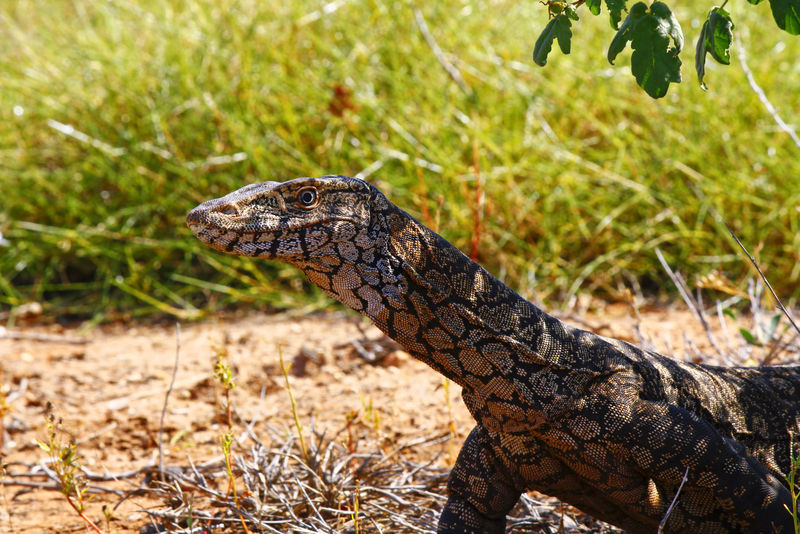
{"x":118,"y":117}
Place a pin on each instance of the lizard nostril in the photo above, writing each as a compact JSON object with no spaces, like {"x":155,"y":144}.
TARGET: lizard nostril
{"x":228,"y":209}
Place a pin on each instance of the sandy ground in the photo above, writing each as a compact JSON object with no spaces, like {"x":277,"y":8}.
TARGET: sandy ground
{"x":109,"y":388}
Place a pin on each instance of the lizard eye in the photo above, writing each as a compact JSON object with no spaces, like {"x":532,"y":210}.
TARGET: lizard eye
{"x":308,"y":197}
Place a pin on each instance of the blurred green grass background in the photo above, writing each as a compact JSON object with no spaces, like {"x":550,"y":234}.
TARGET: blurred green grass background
{"x":117,"y":117}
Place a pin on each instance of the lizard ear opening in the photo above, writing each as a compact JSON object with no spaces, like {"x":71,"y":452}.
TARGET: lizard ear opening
{"x":308,"y":197}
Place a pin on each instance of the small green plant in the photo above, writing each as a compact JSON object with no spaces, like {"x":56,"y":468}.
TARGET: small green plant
{"x":761,"y":334}
{"x":371,"y":414}
{"x":66,"y":465}
{"x":356,"y":518}
{"x":794,"y":488}
{"x":108,"y":515}
{"x":224,"y":376}
{"x":226,"y":442}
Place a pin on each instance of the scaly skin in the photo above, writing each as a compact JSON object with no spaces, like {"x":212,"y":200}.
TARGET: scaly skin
{"x":601,"y":424}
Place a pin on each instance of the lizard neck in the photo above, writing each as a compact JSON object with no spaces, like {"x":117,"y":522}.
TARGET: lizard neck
{"x":442,"y":307}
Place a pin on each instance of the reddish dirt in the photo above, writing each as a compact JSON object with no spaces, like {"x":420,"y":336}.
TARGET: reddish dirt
{"x":110,"y":391}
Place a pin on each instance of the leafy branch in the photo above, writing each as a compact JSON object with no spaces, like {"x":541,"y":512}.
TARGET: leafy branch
{"x":655,"y":36}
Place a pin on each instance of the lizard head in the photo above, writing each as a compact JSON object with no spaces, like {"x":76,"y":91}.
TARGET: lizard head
{"x":292,"y":221}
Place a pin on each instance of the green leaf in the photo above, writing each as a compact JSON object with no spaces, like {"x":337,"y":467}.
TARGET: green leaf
{"x":754,"y":2}
{"x":670,"y":24}
{"x":700,"y":57}
{"x":720,"y":35}
{"x":715,"y":39}
{"x":571,"y":13}
{"x":624,"y":33}
{"x":772,"y":326}
{"x":787,"y":15}
{"x":594,"y":6}
{"x":615,"y":9}
{"x":557,"y":28}
{"x":655,"y":63}
{"x":750,"y":338}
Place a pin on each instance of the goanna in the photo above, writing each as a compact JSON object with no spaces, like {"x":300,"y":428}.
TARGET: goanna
{"x":601,"y":424}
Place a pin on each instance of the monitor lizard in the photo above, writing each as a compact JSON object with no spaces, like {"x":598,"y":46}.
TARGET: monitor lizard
{"x":597,"y":422}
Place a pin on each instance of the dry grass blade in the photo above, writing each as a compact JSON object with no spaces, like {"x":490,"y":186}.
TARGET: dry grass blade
{"x":166,"y":398}
{"x":297,"y":424}
{"x":697,"y":310}
{"x":451,"y":69}
{"x":674,"y":501}
{"x":764,"y":278}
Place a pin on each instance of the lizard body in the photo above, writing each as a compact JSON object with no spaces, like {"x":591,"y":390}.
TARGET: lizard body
{"x":599,"y":423}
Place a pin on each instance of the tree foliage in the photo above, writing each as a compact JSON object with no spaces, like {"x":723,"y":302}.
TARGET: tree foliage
{"x":655,"y":36}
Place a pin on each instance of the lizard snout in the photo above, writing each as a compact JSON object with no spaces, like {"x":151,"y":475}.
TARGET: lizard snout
{"x":200,"y":214}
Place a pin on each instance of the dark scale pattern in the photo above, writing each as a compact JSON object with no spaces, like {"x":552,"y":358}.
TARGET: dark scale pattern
{"x":599,"y":423}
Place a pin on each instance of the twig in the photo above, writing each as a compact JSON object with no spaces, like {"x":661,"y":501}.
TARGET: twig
{"x":674,"y":501}
{"x":121,"y":402}
{"x":764,"y":278}
{"x":683,"y":290}
{"x":724,"y":327}
{"x":108,"y":428}
{"x":6,"y":334}
{"x":777,"y":347}
{"x":166,"y":400}
{"x":454,"y":73}
{"x":97,"y":477}
{"x":763,"y":97}
{"x":97,"y":490}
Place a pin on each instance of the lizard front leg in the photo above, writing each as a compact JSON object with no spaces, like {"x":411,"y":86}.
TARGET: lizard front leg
{"x":481,"y":489}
